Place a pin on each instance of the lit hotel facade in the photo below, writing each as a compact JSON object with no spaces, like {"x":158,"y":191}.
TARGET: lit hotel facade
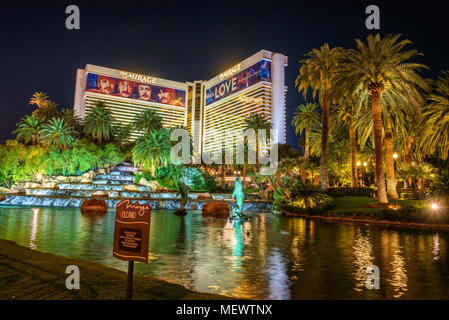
{"x":206,"y":108}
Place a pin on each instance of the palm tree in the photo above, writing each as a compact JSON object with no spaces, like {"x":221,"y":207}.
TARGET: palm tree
{"x":346,"y":114}
{"x":28,"y":130}
{"x":257,"y":121}
{"x":379,"y":73}
{"x":46,"y":111}
{"x":305,"y":118}
{"x":434,"y":124}
{"x":71,"y":119}
{"x":39,"y":99}
{"x":318,"y":73}
{"x":100,"y":123}
{"x":148,"y":121}
{"x":56,"y":132}
{"x":153,"y":150}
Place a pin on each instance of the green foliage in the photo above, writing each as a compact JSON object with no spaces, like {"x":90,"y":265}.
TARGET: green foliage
{"x":100,"y":123}
{"x":348,"y":191}
{"x":18,"y":162}
{"x":440,"y":187}
{"x":28,"y":130}
{"x":147,"y":121}
{"x":153,"y":150}
{"x":195,"y":178}
{"x":57,"y":133}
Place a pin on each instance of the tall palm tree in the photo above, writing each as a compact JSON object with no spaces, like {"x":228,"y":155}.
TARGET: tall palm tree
{"x":305,"y":118}
{"x":46,"y":111}
{"x":148,"y":121}
{"x":381,"y":74}
{"x":153,"y":150}
{"x":39,"y":99}
{"x":434,"y":124}
{"x":318,"y":72}
{"x":28,"y":130}
{"x":346,"y":114}
{"x":71,"y":119}
{"x":258,"y":121}
{"x":100,"y":123}
{"x":56,"y":132}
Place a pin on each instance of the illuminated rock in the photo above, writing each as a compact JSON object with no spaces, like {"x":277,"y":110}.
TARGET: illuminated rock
{"x":85,"y":180}
{"x":50,"y":185}
{"x":100,"y":194}
{"x":17,"y":190}
{"x":216,"y":209}
{"x":130,"y":187}
{"x":204,"y":196}
{"x":94,"y":206}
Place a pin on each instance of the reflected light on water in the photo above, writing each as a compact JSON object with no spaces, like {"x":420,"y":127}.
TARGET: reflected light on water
{"x":34,"y":227}
{"x":436,"y":246}
{"x":399,"y":274}
{"x":363,"y":257}
{"x":278,"y":278}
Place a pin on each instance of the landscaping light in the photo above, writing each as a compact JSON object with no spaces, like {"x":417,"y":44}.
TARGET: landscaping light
{"x":358,"y":163}
{"x":395,"y":155}
{"x":434,"y":206}
{"x":365,"y":164}
{"x":38,"y":176}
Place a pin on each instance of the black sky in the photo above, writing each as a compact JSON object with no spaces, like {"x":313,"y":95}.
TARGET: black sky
{"x":188,"y":40}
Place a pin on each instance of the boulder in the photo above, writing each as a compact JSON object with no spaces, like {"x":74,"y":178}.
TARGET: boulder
{"x":17,"y":190}
{"x":3,"y":189}
{"x":88,"y":175}
{"x":94,"y":206}
{"x":143,"y":182}
{"x":130,"y":187}
{"x":50,"y":185}
{"x":102,"y":171}
{"x":216,"y":209}
{"x":85,"y":180}
{"x":204,"y":196}
{"x":32,"y":185}
{"x":100,"y":194}
{"x":75,"y":179}
{"x":62,"y":179}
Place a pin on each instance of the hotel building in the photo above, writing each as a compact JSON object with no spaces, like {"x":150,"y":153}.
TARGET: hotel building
{"x":206,"y":108}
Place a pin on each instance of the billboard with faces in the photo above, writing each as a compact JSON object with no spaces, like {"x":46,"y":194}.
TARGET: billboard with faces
{"x":134,"y":90}
{"x":260,"y":71}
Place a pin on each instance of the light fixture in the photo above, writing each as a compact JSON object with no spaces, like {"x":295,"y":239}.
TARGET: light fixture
{"x":365,"y":164}
{"x":395,"y":155}
{"x":434,"y":206}
{"x":358,"y":163}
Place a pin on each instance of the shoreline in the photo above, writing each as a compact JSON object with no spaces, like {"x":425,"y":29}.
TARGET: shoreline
{"x":27,"y":274}
{"x":371,"y":221}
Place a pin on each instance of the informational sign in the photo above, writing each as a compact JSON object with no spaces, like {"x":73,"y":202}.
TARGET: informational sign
{"x":132,"y":231}
{"x":143,"y":89}
{"x":260,"y":71}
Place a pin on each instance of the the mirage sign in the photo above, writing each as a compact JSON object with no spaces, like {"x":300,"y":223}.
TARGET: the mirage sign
{"x":260,"y":71}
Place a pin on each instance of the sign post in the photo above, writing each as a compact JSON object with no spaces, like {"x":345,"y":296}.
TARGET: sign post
{"x":131,"y":236}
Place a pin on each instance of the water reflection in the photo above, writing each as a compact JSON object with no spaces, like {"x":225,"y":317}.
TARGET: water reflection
{"x":436,"y":247}
{"x":267,"y":257}
{"x":363,"y":257}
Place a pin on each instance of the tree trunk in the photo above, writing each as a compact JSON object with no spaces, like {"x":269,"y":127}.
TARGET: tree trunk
{"x":281,"y":185}
{"x":353,"y":151}
{"x":377,"y":123}
{"x":307,"y":144}
{"x":244,"y":175}
{"x":389,"y":161}
{"x":223,"y":176}
{"x":324,"y":172}
{"x":407,"y":161}
{"x":257,"y":152}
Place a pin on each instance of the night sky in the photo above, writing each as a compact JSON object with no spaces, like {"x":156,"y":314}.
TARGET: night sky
{"x":188,"y":40}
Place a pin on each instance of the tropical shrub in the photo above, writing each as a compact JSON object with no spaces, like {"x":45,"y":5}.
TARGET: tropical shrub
{"x":348,"y":191}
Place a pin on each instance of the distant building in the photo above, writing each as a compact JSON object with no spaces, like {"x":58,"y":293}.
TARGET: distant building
{"x":206,"y":108}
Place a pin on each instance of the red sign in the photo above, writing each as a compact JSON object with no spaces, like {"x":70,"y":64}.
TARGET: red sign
{"x":132,"y":231}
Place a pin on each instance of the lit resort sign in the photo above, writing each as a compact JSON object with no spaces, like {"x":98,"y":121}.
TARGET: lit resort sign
{"x":230,"y":72}
{"x":138,"y":77}
{"x":260,"y":71}
{"x":139,"y":90}
{"x":244,"y":98}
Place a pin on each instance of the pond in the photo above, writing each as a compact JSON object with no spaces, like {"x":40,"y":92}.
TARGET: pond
{"x":269,"y":257}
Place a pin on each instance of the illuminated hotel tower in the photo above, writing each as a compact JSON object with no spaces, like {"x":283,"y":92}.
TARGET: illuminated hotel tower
{"x":206,"y":108}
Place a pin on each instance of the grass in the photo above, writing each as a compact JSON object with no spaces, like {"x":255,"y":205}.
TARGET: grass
{"x":27,"y":274}
{"x":359,"y":205}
